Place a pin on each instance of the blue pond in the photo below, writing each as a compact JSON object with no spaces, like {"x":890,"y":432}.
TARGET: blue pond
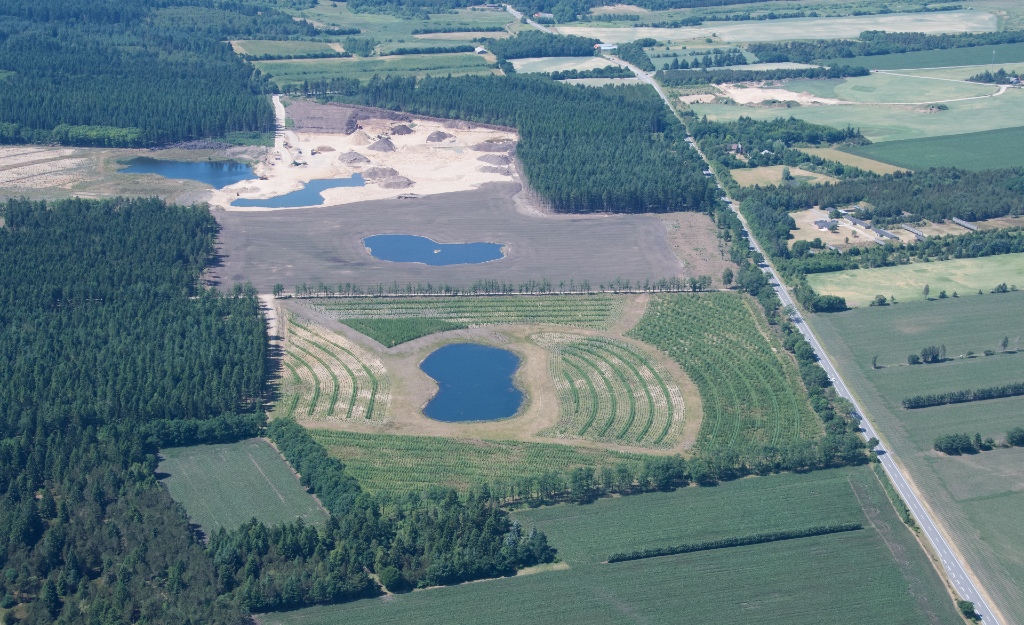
{"x":216,"y":174}
{"x":306,"y":196}
{"x":475,"y":383}
{"x":406,"y":248}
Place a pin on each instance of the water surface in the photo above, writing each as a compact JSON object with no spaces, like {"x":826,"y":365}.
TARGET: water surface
{"x":474,"y":383}
{"x":309,"y":195}
{"x":217,"y":174}
{"x":406,"y":248}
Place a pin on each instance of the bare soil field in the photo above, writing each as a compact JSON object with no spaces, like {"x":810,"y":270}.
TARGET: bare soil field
{"x":772,"y":174}
{"x":694,"y":240}
{"x":411,"y":388}
{"x":325,"y":243}
{"x":751,"y":94}
{"x":853,"y":160}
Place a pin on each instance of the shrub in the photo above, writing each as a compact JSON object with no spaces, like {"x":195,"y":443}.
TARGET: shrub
{"x":955,"y":444}
{"x":913,"y":359}
{"x":1015,"y":437}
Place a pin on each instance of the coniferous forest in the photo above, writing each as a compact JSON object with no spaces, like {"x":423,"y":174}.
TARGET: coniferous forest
{"x":110,"y":348}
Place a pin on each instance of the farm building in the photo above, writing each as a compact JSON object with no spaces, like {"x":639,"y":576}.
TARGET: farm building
{"x":544,"y":15}
{"x":605,"y":47}
{"x":965,"y":224}
{"x":920,"y":236}
{"x":885,"y":234}
{"x":859,"y":222}
{"x":826,"y":224}
{"x":480,"y":50}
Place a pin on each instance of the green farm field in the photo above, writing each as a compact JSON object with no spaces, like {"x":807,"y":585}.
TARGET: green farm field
{"x":954,"y":57}
{"x":259,"y":47}
{"x":891,"y":123}
{"x":854,"y":160}
{"x":227,"y":485}
{"x":295,"y":71}
{"x":977,"y":498}
{"x":963,"y":276}
{"x":961,"y":72}
{"x":792,"y":582}
{"x":749,"y":385}
{"x":386,"y":463}
{"x":381,"y":26}
{"x":890,"y":88}
{"x":992,"y":149}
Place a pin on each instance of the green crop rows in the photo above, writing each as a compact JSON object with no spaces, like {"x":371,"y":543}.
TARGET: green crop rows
{"x":750,"y":387}
{"x":331,"y":379}
{"x":226,"y":485}
{"x":610,"y":391}
{"x":592,"y":311}
{"x":402,"y":464}
{"x":391,"y":332}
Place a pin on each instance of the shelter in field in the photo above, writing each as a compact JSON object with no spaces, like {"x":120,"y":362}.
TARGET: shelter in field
{"x":605,"y":47}
{"x":480,"y":50}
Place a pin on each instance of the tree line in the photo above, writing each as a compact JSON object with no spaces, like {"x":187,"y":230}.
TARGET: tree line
{"x":964,"y":396}
{"x":534,"y":43}
{"x":715,"y":58}
{"x":876,"y":42}
{"x":999,"y":77}
{"x":634,"y":53}
{"x":682,"y":77}
{"x":612,"y":71}
{"x":583,"y":149}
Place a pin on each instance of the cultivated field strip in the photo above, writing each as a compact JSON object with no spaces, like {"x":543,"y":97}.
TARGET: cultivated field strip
{"x":330,"y":378}
{"x":595,"y":311}
{"x":609,"y":391}
{"x":395,"y":464}
{"x":750,"y":387}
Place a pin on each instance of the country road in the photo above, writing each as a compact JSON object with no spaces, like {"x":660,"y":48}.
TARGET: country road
{"x":519,"y":16}
{"x":955,"y":570}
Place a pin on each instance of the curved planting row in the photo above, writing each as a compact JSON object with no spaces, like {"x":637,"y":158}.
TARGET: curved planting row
{"x":750,"y":387}
{"x":609,"y":391}
{"x":336,"y":380}
{"x":591,"y":311}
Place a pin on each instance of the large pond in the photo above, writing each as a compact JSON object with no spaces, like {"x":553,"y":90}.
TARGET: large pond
{"x":217,"y":174}
{"x":309,"y":195}
{"x":474,"y":383}
{"x":406,"y":248}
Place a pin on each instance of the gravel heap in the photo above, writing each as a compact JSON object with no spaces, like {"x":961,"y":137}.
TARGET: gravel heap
{"x":379,"y":172}
{"x":437,"y":136}
{"x":396,"y":182}
{"x":352,"y":158}
{"x":382,"y":145}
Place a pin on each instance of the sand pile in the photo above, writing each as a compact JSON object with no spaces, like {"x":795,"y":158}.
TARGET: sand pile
{"x":401,"y":129}
{"x":324,"y":148}
{"x":382,"y":145}
{"x":495,"y":159}
{"x":494,"y":146}
{"x":437,"y":136}
{"x":379,"y":172}
{"x":396,"y":182}
{"x":352,"y":158}
{"x":360,"y":138}
{"x":487,"y":169}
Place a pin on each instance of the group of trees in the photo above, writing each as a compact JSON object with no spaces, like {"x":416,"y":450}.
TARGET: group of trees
{"x":999,"y":77}
{"x":957,"y":444}
{"x":683,"y":77}
{"x":715,"y":58}
{"x":583,"y":149}
{"x":634,"y":53}
{"x":968,"y":395}
{"x":534,"y":43}
{"x":875,"y":42}
{"x":612,"y":71}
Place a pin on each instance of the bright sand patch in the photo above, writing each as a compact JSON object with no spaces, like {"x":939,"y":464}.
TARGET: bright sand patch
{"x":748,"y":177}
{"x":755,"y":95}
{"x":853,"y":160}
{"x":443,"y":167}
{"x":559,"y":63}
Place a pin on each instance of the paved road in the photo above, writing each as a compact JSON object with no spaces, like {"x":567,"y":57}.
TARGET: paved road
{"x":539,"y":27}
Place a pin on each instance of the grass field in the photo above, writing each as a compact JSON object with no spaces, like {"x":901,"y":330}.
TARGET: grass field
{"x":885,"y":123}
{"x":772,"y":174}
{"x":960,"y":72}
{"x":749,"y":385}
{"x":884,"y":88}
{"x":991,"y":149}
{"x":854,"y":160}
{"x":610,"y":391}
{"x":977,"y":498}
{"x":227,"y":485}
{"x":382,"y":27}
{"x":328,"y":378}
{"x":979,"y":55}
{"x":397,"y":465}
{"x":558,"y":63}
{"x":295,"y":71}
{"x":595,"y":311}
{"x":906,"y":282}
{"x":391,"y":332}
{"x":259,"y":47}
{"x":793,"y":582}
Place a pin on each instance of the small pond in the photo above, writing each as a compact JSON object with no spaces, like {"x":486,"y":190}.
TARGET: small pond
{"x":309,"y":195}
{"x":217,"y":174}
{"x":474,"y":383}
{"x":406,"y":248}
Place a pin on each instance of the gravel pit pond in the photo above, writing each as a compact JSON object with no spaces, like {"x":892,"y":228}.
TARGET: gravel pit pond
{"x":308,"y":195}
{"x":217,"y":174}
{"x":474,"y":383}
{"x":405,"y":248}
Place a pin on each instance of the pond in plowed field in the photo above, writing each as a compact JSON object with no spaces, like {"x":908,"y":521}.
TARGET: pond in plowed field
{"x":217,"y":174}
{"x":474,"y":383}
{"x":405,"y":248}
{"x":308,"y":195}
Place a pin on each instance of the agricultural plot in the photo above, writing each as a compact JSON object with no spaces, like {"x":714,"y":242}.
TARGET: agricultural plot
{"x":891,"y":88}
{"x":382,"y":26}
{"x":750,"y":388}
{"x":391,"y":332}
{"x":385,"y":463}
{"x":259,"y":47}
{"x":891,"y":123}
{"x":747,"y":177}
{"x":992,"y":149}
{"x":979,"y":55}
{"x":559,"y":64}
{"x":977,"y":498}
{"x":292,"y":72}
{"x":595,"y":311}
{"x":227,"y":485}
{"x":961,"y":276}
{"x":854,"y":160}
{"x":610,"y":391}
{"x":962,"y":72}
{"x":793,"y":582}
{"x":330,"y":378}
